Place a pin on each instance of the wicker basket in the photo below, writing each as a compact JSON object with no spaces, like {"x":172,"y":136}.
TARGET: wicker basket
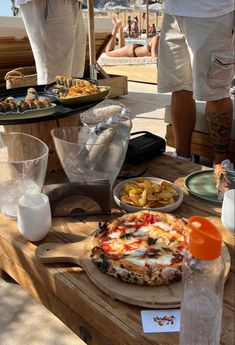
{"x":19,"y":77}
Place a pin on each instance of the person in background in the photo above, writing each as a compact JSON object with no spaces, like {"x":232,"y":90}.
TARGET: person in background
{"x":129,"y":23}
{"x":153,"y":30}
{"x":129,"y":50}
{"x":136,"y":27}
{"x":196,"y":62}
{"x":57,"y":36}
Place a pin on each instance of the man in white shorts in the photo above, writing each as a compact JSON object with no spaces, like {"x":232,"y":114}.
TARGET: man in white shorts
{"x":196,"y":62}
{"x":57,"y":36}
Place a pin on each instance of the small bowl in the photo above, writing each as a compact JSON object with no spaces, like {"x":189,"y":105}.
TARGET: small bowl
{"x":131,"y":208}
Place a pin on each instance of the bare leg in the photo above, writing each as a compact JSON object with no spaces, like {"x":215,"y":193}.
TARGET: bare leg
{"x":219,"y":120}
{"x":121,"y":37}
{"x":154,"y":46}
{"x":122,"y":51}
{"x":183,"y":112}
{"x":111,"y":45}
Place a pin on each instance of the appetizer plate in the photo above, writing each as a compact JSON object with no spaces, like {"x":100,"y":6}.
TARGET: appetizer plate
{"x":20,"y":96}
{"x":28,"y":114}
{"x":202,"y":184}
{"x":104,"y":92}
{"x":130,"y":208}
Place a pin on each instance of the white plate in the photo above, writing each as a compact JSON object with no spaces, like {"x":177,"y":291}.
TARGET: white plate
{"x":131,"y":208}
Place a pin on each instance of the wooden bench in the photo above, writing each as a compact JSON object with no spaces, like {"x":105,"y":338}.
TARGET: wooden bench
{"x":14,"y":53}
{"x":201,"y":144}
{"x":17,"y":53}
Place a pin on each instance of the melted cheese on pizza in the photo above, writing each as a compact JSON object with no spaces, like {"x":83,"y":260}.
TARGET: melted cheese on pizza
{"x":162,"y":260}
{"x":119,"y":246}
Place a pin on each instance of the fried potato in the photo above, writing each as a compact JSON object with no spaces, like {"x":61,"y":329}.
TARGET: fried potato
{"x":147,"y":194}
{"x":168,"y":187}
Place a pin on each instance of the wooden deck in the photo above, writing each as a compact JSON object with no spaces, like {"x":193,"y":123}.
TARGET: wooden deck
{"x":146,"y":73}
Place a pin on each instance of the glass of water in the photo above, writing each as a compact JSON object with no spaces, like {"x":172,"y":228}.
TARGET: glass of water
{"x":23,"y":165}
{"x":228,"y":210}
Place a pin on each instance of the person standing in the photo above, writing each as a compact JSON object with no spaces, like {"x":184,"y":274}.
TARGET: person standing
{"x":129,"y":22}
{"x":57,"y":36}
{"x":136,"y":27}
{"x":196,"y":62}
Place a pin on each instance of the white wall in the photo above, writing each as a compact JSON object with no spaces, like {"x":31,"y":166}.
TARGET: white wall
{"x":14,"y":26}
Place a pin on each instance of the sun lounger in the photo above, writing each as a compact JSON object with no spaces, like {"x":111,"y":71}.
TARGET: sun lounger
{"x":106,"y":60}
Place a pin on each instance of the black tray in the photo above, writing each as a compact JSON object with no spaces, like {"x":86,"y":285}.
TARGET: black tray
{"x":61,"y":111}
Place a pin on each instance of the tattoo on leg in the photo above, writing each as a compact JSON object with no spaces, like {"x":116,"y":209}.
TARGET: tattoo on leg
{"x":219,"y":125}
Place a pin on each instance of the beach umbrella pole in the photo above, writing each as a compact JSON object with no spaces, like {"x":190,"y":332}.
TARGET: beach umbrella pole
{"x":147,"y":19}
{"x":91,"y":38}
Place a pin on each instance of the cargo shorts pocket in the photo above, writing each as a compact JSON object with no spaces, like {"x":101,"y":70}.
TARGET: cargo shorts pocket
{"x":222,"y":69}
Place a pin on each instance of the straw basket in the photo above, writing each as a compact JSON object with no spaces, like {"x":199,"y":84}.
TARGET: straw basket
{"x":19,"y":77}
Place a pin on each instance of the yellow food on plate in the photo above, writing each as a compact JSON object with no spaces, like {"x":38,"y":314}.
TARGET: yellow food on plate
{"x":80,"y":90}
{"x":145,"y":193}
{"x":76,"y":87}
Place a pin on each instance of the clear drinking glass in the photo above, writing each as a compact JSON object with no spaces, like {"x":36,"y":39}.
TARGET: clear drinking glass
{"x":84,"y":159}
{"x":228,"y":210}
{"x":23,"y":165}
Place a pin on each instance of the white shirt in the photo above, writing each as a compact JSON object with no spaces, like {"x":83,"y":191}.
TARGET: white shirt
{"x":199,"y":8}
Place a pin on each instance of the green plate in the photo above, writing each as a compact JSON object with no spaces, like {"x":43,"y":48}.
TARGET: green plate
{"x":105,"y":90}
{"x":202,"y":184}
{"x":28,"y":114}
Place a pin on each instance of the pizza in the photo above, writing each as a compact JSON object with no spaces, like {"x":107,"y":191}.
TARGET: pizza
{"x":144,"y":248}
{"x":222,"y":181}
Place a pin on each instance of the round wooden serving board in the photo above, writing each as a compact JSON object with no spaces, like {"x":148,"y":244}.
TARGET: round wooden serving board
{"x":165,"y":296}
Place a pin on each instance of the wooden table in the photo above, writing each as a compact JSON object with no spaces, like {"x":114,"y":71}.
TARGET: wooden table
{"x":67,"y":292}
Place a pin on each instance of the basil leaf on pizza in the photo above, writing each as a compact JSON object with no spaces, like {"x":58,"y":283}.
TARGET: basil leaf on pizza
{"x":144,"y":248}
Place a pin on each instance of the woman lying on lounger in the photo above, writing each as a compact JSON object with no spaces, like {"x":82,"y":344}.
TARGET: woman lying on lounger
{"x":129,"y":50}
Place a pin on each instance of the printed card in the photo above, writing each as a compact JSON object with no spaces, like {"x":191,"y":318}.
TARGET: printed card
{"x":159,"y":321}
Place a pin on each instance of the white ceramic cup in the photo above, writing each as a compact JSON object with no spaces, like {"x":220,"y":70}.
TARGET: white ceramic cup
{"x":34,"y":216}
{"x":228,"y":210}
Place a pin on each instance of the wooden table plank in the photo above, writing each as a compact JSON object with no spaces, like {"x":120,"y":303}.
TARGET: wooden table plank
{"x":69,"y":294}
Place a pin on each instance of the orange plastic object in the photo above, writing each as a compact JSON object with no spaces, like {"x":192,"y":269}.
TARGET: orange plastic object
{"x":205,"y":240}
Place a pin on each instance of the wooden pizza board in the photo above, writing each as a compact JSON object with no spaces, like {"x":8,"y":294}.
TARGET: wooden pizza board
{"x":164,"y":296}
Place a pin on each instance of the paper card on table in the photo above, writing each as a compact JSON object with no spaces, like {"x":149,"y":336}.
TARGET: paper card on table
{"x":159,"y":321}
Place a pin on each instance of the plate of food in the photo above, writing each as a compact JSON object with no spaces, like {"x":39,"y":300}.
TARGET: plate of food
{"x":147,"y":193}
{"x":74,"y":91}
{"x":136,"y":258}
{"x":32,"y":104}
{"x":211,"y":184}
